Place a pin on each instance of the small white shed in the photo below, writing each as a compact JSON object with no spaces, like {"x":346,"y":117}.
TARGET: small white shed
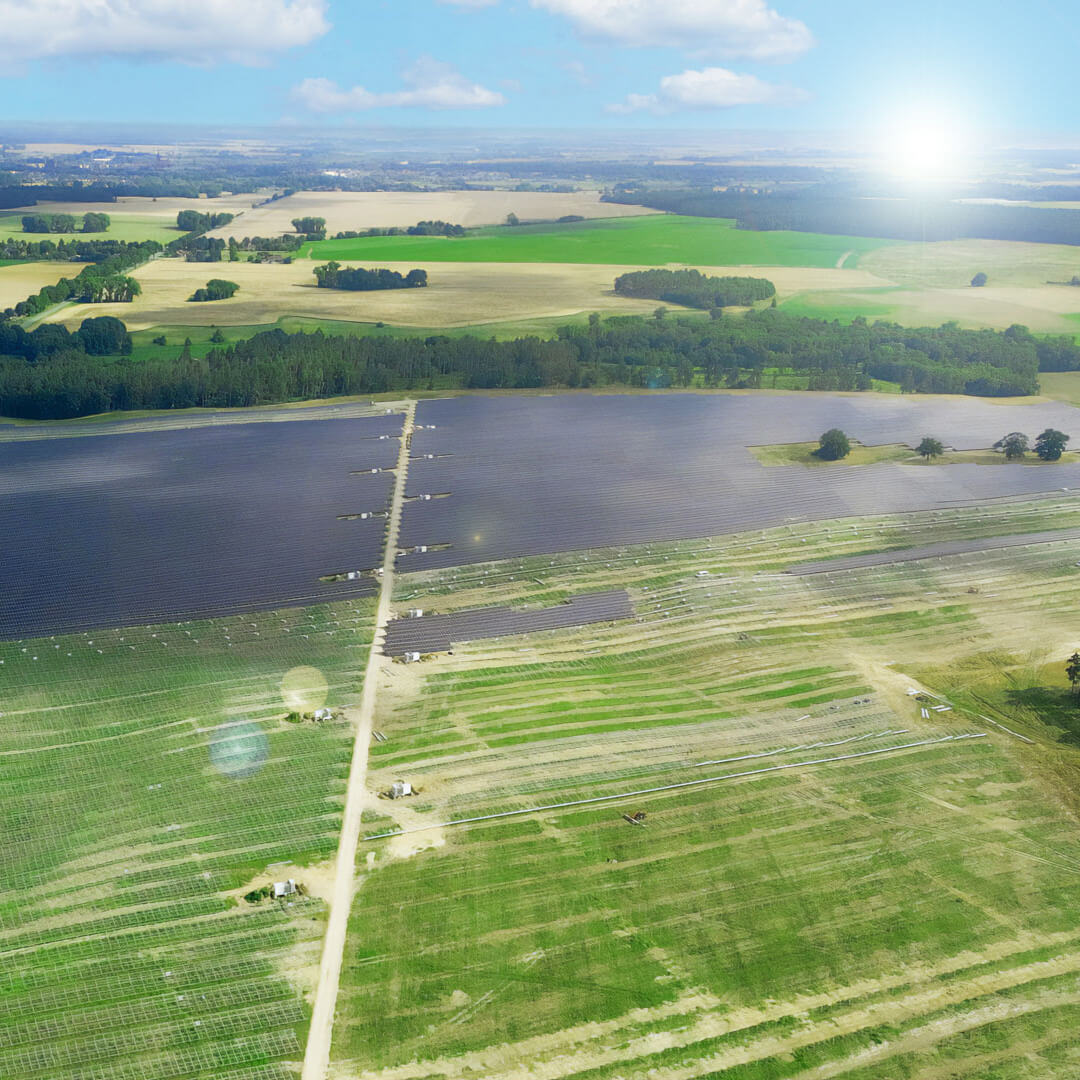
{"x":400,"y":788}
{"x":284,"y":888}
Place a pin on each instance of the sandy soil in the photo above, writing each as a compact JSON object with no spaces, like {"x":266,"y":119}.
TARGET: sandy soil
{"x":21,"y":280}
{"x":346,"y":210}
{"x":458,"y":294}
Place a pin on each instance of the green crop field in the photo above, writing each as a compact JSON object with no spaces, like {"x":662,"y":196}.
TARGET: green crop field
{"x":652,"y":240}
{"x":907,"y":911}
{"x":123,"y":227}
{"x":147,"y":777}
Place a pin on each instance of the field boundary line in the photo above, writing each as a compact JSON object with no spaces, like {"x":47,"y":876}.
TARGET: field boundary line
{"x":321,"y":1030}
{"x":674,"y":787}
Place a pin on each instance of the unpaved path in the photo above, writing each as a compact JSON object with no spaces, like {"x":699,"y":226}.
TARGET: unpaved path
{"x":317,"y":1054}
{"x":843,"y":259}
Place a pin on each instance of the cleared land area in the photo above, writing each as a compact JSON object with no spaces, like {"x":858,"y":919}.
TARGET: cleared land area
{"x":346,"y":211}
{"x":840,"y":886}
{"x":112,"y":530}
{"x":22,"y":279}
{"x":149,"y":780}
{"x":678,"y":465}
{"x":458,"y":294}
{"x":657,"y":240}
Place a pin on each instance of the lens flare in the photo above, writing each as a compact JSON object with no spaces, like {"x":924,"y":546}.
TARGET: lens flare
{"x":304,"y":689}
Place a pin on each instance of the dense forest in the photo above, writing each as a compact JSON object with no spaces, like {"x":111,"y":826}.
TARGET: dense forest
{"x":851,"y":215}
{"x":691,"y":288}
{"x":333,"y":276}
{"x":49,"y":374}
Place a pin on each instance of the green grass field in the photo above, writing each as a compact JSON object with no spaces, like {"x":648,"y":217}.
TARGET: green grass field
{"x":906,"y":914}
{"x":147,"y":776}
{"x":129,"y":227}
{"x":652,"y":240}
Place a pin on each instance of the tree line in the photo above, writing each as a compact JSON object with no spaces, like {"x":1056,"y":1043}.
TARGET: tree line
{"x":195,"y":221}
{"x":333,"y":275}
{"x":849,"y":215}
{"x":99,"y":282}
{"x":62,"y":380}
{"x":92,"y":222}
{"x":691,"y":288}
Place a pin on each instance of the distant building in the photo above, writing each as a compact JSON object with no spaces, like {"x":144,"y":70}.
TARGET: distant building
{"x":324,"y":714}
{"x":411,"y":657}
{"x":400,"y":788}
{"x":284,"y":888}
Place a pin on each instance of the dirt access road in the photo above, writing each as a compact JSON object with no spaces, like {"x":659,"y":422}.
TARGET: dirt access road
{"x":317,"y":1054}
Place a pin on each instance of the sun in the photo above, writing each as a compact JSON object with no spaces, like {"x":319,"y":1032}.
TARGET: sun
{"x":925,"y":148}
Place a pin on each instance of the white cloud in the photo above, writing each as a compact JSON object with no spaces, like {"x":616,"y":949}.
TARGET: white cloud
{"x":204,"y":32}
{"x":710,"y":88}
{"x":730,"y":28}
{"x":429,"y":84}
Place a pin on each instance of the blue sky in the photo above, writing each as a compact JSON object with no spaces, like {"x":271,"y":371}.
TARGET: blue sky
{"x":811,"y":65}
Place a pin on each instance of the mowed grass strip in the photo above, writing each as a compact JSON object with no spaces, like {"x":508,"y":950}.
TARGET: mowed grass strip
{"x":654,"y":240}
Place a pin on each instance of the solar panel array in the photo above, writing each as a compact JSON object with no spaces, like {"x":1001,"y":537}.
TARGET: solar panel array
{"x":533,"y":475}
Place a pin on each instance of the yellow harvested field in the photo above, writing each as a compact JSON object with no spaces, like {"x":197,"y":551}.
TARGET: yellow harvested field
{"x":21,"y":280}
{"x":357,"y":210}
{"x":164,"y":208}
{"x":458,"y":294}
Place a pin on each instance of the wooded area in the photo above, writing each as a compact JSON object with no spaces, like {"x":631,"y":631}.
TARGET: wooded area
{"x":47,"y":374}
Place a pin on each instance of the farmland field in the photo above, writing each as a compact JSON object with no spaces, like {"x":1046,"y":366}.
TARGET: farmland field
{"x":130,"y":227}
{"x":657,"y":240}
{"x":22,"y":279}
{"x":357,"y":210}
{"x":458,"y":295}
{"x":115,"y":529}
{"x":163,"y":209}
{"x":848,"y":884}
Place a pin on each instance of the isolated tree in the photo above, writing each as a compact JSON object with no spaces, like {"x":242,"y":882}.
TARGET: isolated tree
{"x":930,"y":448}
{"x":833,"y":445}
{"x":309,"y":224}
{"x":62,"y":223}
{"x":35,"y":223}
{"x":978,"y":281}
{"x":512,"y":219}
{"x":1050,"y":444}
{"x":1014,"y":445}
{"x":416,"y":279}
{"x":660,"y":313}
{"x":1072,"y":671}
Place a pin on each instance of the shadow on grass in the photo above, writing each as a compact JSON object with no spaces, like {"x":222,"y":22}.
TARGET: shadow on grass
{"x":1053,"y":706}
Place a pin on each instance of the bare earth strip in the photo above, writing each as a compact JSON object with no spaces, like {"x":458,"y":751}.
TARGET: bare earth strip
{"x":458,"y":294}
{"x":317,"y":1054}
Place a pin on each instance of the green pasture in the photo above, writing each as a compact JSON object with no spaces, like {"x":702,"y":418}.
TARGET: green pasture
{"x":129,"y":227}
{"x":148,"y":773}
{"x":654,"y":240}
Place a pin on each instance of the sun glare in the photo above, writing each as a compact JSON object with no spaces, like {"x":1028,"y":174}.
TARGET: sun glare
{"x":926,"y":149}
